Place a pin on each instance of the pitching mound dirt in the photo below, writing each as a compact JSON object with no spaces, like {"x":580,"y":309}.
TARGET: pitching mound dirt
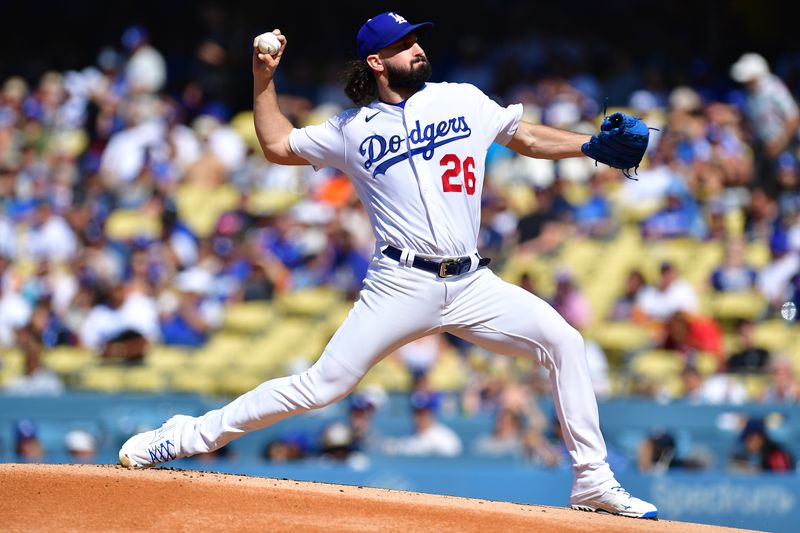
{"x":110,"y":498}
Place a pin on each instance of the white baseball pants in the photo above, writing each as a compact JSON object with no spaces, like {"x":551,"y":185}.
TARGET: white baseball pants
{"x":399,"y":304}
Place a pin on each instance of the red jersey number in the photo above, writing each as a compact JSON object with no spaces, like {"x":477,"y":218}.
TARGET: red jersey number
{"x":454,"y":170}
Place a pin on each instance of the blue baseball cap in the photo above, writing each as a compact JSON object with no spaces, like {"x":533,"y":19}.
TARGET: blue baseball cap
{"x":382,"y":30}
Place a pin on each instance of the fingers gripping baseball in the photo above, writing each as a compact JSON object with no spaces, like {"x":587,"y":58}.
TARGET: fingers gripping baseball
{"x":265,"y":60}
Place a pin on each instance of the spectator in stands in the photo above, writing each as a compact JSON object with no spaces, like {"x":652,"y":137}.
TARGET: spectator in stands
{"x":771,"y":111}
{"x":687,"y":335}
{"x":15,"y":311}
{"x":337,"y":442}
{"x":717,"y":389}
{"x":783,"y":387}
{"x":658,"y":453}
{"x":288,"y":447}
{"x":757,"y":452}
{"x":145,"y":68}
{"x":543,"y":230}
{"x":594,"y":217}
{"x":680,"y":217}
{"x":542,"y":450}
{"x":420,"y":356}
{"x":81,"y":446}
{"x":671,"y":295}
{"x":774,"y":280}
{"x":430,"y":437}
{"x":109,"y":331}
{"x":570,"y":302}
{"x":49,"y":237}
{"x":734,"y":275}
{"x":360,"y":416}
{"x":749,"y":358}
{"x":194,"y":316}
{"x":505,"y":440}
{"x":624,"y":307}
{"x":760,"y":215}
{"x":27,"y":447}
{"x":37,"y":380}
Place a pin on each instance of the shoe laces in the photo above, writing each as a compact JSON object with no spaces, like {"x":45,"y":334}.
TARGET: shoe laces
{"x":621,"y":490}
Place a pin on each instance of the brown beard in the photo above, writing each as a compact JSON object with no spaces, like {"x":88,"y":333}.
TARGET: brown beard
{"x":411,"y":78}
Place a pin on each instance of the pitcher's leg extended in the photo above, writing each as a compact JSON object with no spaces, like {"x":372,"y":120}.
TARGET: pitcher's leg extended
{"x":387,"y":316}
{"x":506,"y":319}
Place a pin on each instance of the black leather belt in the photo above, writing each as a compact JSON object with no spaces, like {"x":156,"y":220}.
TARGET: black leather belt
{"x":444,"y":268}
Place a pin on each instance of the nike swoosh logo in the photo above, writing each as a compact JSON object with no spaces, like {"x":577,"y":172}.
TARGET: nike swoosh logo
{"x":367,"y":119}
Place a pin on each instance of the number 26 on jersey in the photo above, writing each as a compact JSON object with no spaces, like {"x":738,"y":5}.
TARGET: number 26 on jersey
{"x":454,"y":169}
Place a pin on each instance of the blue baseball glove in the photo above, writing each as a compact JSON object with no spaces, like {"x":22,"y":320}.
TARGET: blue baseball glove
{"x":621,"y":142}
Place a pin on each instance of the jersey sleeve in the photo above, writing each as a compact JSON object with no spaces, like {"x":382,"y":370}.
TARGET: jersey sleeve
{"x":322,"y":145}
{"x":499,"y":123}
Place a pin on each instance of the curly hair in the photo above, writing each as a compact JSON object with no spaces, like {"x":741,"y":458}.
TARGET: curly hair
{"x":361,"y":86}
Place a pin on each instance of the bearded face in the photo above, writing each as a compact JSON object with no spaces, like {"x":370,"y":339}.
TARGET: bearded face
{"x":410,"y":77}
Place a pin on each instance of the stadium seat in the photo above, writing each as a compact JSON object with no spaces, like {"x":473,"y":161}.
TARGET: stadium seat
{"x":774,"y":335}
{"x":67,"y":360}
{"x":448,"y":374}
{"x":314,"y":302}
{"x":200,"y":206}
{"x":102,"y":378}
{"x":128,"y":224}
{"x":658,"y":365}
{"x":196,"y":381}
{"x":146,"y":379}
{"x":619,"y":336}
{"x":748,"y":305}
{"x":248,"y":317}
{"x":12,"y":365}
{"x":168,"y":358}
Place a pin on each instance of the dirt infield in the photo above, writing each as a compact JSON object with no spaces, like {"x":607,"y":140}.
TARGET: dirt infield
{"x":110,"y":498}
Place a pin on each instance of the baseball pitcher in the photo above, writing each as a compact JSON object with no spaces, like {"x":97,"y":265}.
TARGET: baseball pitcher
{"x":415,"y":152}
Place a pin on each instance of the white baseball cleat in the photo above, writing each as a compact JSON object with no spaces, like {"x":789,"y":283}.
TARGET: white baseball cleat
{"x":618,"y":501}
{"x":154,"y":447}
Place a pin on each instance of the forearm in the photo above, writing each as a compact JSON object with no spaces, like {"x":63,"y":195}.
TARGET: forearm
{"x":272,"y":127}
{"x":544,"y":142}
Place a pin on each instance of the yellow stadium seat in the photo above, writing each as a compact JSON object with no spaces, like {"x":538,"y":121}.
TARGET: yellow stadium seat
{"x":774,"y":335}
{"x":128,"y":224}
{"x":68,"y":359}
{"x":271,"y":202}
{"x":248,"y":317}
{"x":732,"y":305}
{"x":168,"y":358}
{"x":146,"y":379}
{"x":389,"y":374}
{"x":706,"y":363}
{"x":102,"y":378}
{"x":448,"y":374}
{"x":620,"y":336}
{"x":757,"y":254}
{"x":195,"y":381}
{"x":309,"y":302}
{"x":235,"y":383}
{"x":200,"y":206}
{"x":12,"y":365}
{"x":658,"y":365}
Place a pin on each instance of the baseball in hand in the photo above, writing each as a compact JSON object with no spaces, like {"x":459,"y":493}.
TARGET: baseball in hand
{"x":268,"y":43}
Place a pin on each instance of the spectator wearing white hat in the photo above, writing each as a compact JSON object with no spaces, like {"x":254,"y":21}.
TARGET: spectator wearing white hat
{"x":81,"y":445}
{"x":772,"y":112}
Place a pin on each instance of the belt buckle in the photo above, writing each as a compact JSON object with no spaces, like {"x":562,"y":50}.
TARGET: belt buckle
{"x":443,"y":267}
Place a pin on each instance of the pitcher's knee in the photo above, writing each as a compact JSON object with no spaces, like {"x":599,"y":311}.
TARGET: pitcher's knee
{"x":328,"y":382}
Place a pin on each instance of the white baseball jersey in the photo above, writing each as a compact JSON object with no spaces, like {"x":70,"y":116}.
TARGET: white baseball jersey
{"x":418,"y":169}
{"x":419,"y":172}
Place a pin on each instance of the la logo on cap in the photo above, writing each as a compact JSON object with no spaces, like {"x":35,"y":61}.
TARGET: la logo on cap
{"x":397,"y":18}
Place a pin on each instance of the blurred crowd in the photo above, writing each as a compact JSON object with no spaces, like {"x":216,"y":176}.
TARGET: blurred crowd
{"x":130,"y":216}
